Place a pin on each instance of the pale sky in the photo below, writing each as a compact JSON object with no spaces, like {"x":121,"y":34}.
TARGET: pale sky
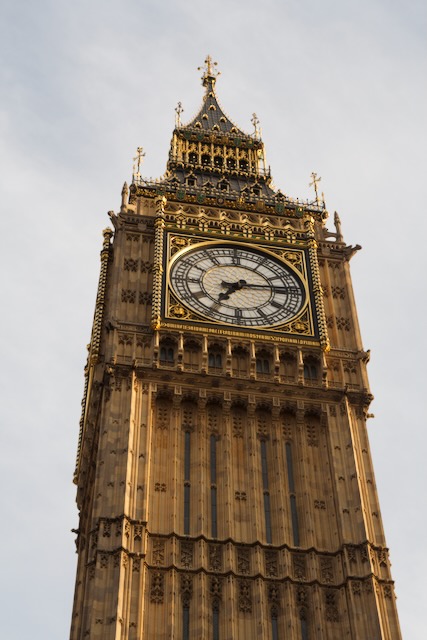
{"x":339,"y":89}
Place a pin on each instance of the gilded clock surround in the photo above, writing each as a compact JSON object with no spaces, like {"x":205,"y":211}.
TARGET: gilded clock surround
{"x":293,"y":259}
{"x":224,"y":480}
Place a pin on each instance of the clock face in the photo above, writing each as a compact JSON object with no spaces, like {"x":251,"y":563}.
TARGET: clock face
{"x":237,"y":284}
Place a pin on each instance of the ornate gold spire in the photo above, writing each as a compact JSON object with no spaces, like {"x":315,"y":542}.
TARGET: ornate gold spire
{"x":209,"y":73}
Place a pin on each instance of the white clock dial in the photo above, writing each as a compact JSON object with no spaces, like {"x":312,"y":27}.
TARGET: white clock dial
{"x":237,"y":284}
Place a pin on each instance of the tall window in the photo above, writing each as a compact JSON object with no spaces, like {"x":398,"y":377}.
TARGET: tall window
{"x":292,"y":496}
{"x":215,"y":621}
{"x":311,"y":369}
{"x":167,"y":354}
{"x":214,"y":525}
{"x":187,"y":485}
{"x":191,"y":355}
{"x":215,"y":360}
{"x":274,"y":628}
{"x":262,"y":365}
{"x":186,"y":622}
{"x":287,"y":366}
{"x":267,"y":507}
{"x":240,"y":361}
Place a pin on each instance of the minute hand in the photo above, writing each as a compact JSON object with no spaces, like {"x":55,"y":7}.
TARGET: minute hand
{"x":278,"y":289}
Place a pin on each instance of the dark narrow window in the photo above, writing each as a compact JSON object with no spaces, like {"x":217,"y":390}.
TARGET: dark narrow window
{"x":243,"y":165}
{"x":215,"y":623}
{"x":166,"y":355}
{"x":292,"y":497}
{"x":218,"y":161}
{"x":213,"y":488}
{"x":262,"y":365}
{"x":206,"y":159}
{"x":267,"y":509}
{"x":192,"y":157}
{"x":187,"y":485}
{"x":311,"y":369}
{"x":304,"y":629}
{"x":186,"y":623}
{"x":274,"y":628}
{"x":215,"y":360}
{"x":231,"y":163}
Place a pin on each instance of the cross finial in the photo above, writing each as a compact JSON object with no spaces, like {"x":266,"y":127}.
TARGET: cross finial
{"x":255,"y":122}
{"x":209,"y":73}
{"x":178,"y":111}
{"x":138,"y":159}
{"x":314,"y":184}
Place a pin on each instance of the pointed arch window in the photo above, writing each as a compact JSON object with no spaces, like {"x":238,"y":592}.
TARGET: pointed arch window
{"x":311,"y":369}
{"x":167,"y":352}
{"x":263,"y":363}
{"x":192,"y":355}
{"x":240,"y":360}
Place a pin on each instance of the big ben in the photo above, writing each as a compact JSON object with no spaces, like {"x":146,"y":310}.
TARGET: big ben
{"x":224,"y":479}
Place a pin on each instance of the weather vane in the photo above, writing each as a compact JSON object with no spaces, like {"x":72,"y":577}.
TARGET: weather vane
{"x":138,"y":159}
{"x":178,"y":111}
{"x":314,"y":184}
{"x":208,"y":70}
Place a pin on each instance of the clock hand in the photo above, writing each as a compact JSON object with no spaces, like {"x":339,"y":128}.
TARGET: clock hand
{"x":231,"y":288}
{"x":266,"y":286}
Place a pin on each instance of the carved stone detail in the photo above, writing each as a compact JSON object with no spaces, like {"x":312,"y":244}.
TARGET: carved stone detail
{"x":326,"y":570}
{"x":245,"y":597}
{"x":158,"y":551}
{"x":243,"y":560}
{"x":356,"y":588}
{"x":130,"y":265}
{"x":157,"y":587}
{"x":299,"y":566}
{"x":128,"y":295}
{"x":271,"y":564}
{"x":215,"y":557}
{"x":273,"y":593}
{"x":187,"y":549}
{"x":186,"y":588}
{"x":331,"y":608}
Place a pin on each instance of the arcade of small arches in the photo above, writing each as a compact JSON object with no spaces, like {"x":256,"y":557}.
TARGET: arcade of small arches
{"x":245,"y":360}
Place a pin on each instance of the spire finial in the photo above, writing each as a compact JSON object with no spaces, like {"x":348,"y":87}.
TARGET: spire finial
{"x":255,"y":122}
{"x":314,"y":184}
{"x":209,"y":73}
{"x":178,"y":111}
{"x":137,"y":163}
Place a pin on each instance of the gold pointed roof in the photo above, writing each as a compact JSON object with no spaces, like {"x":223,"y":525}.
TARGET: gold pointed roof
{"x":211,"y":116}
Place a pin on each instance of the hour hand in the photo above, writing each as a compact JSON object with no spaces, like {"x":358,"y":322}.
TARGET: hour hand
{"x":231,"y":288}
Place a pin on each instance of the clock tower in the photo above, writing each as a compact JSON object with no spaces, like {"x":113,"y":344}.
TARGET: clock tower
{"x":224,"y":480}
